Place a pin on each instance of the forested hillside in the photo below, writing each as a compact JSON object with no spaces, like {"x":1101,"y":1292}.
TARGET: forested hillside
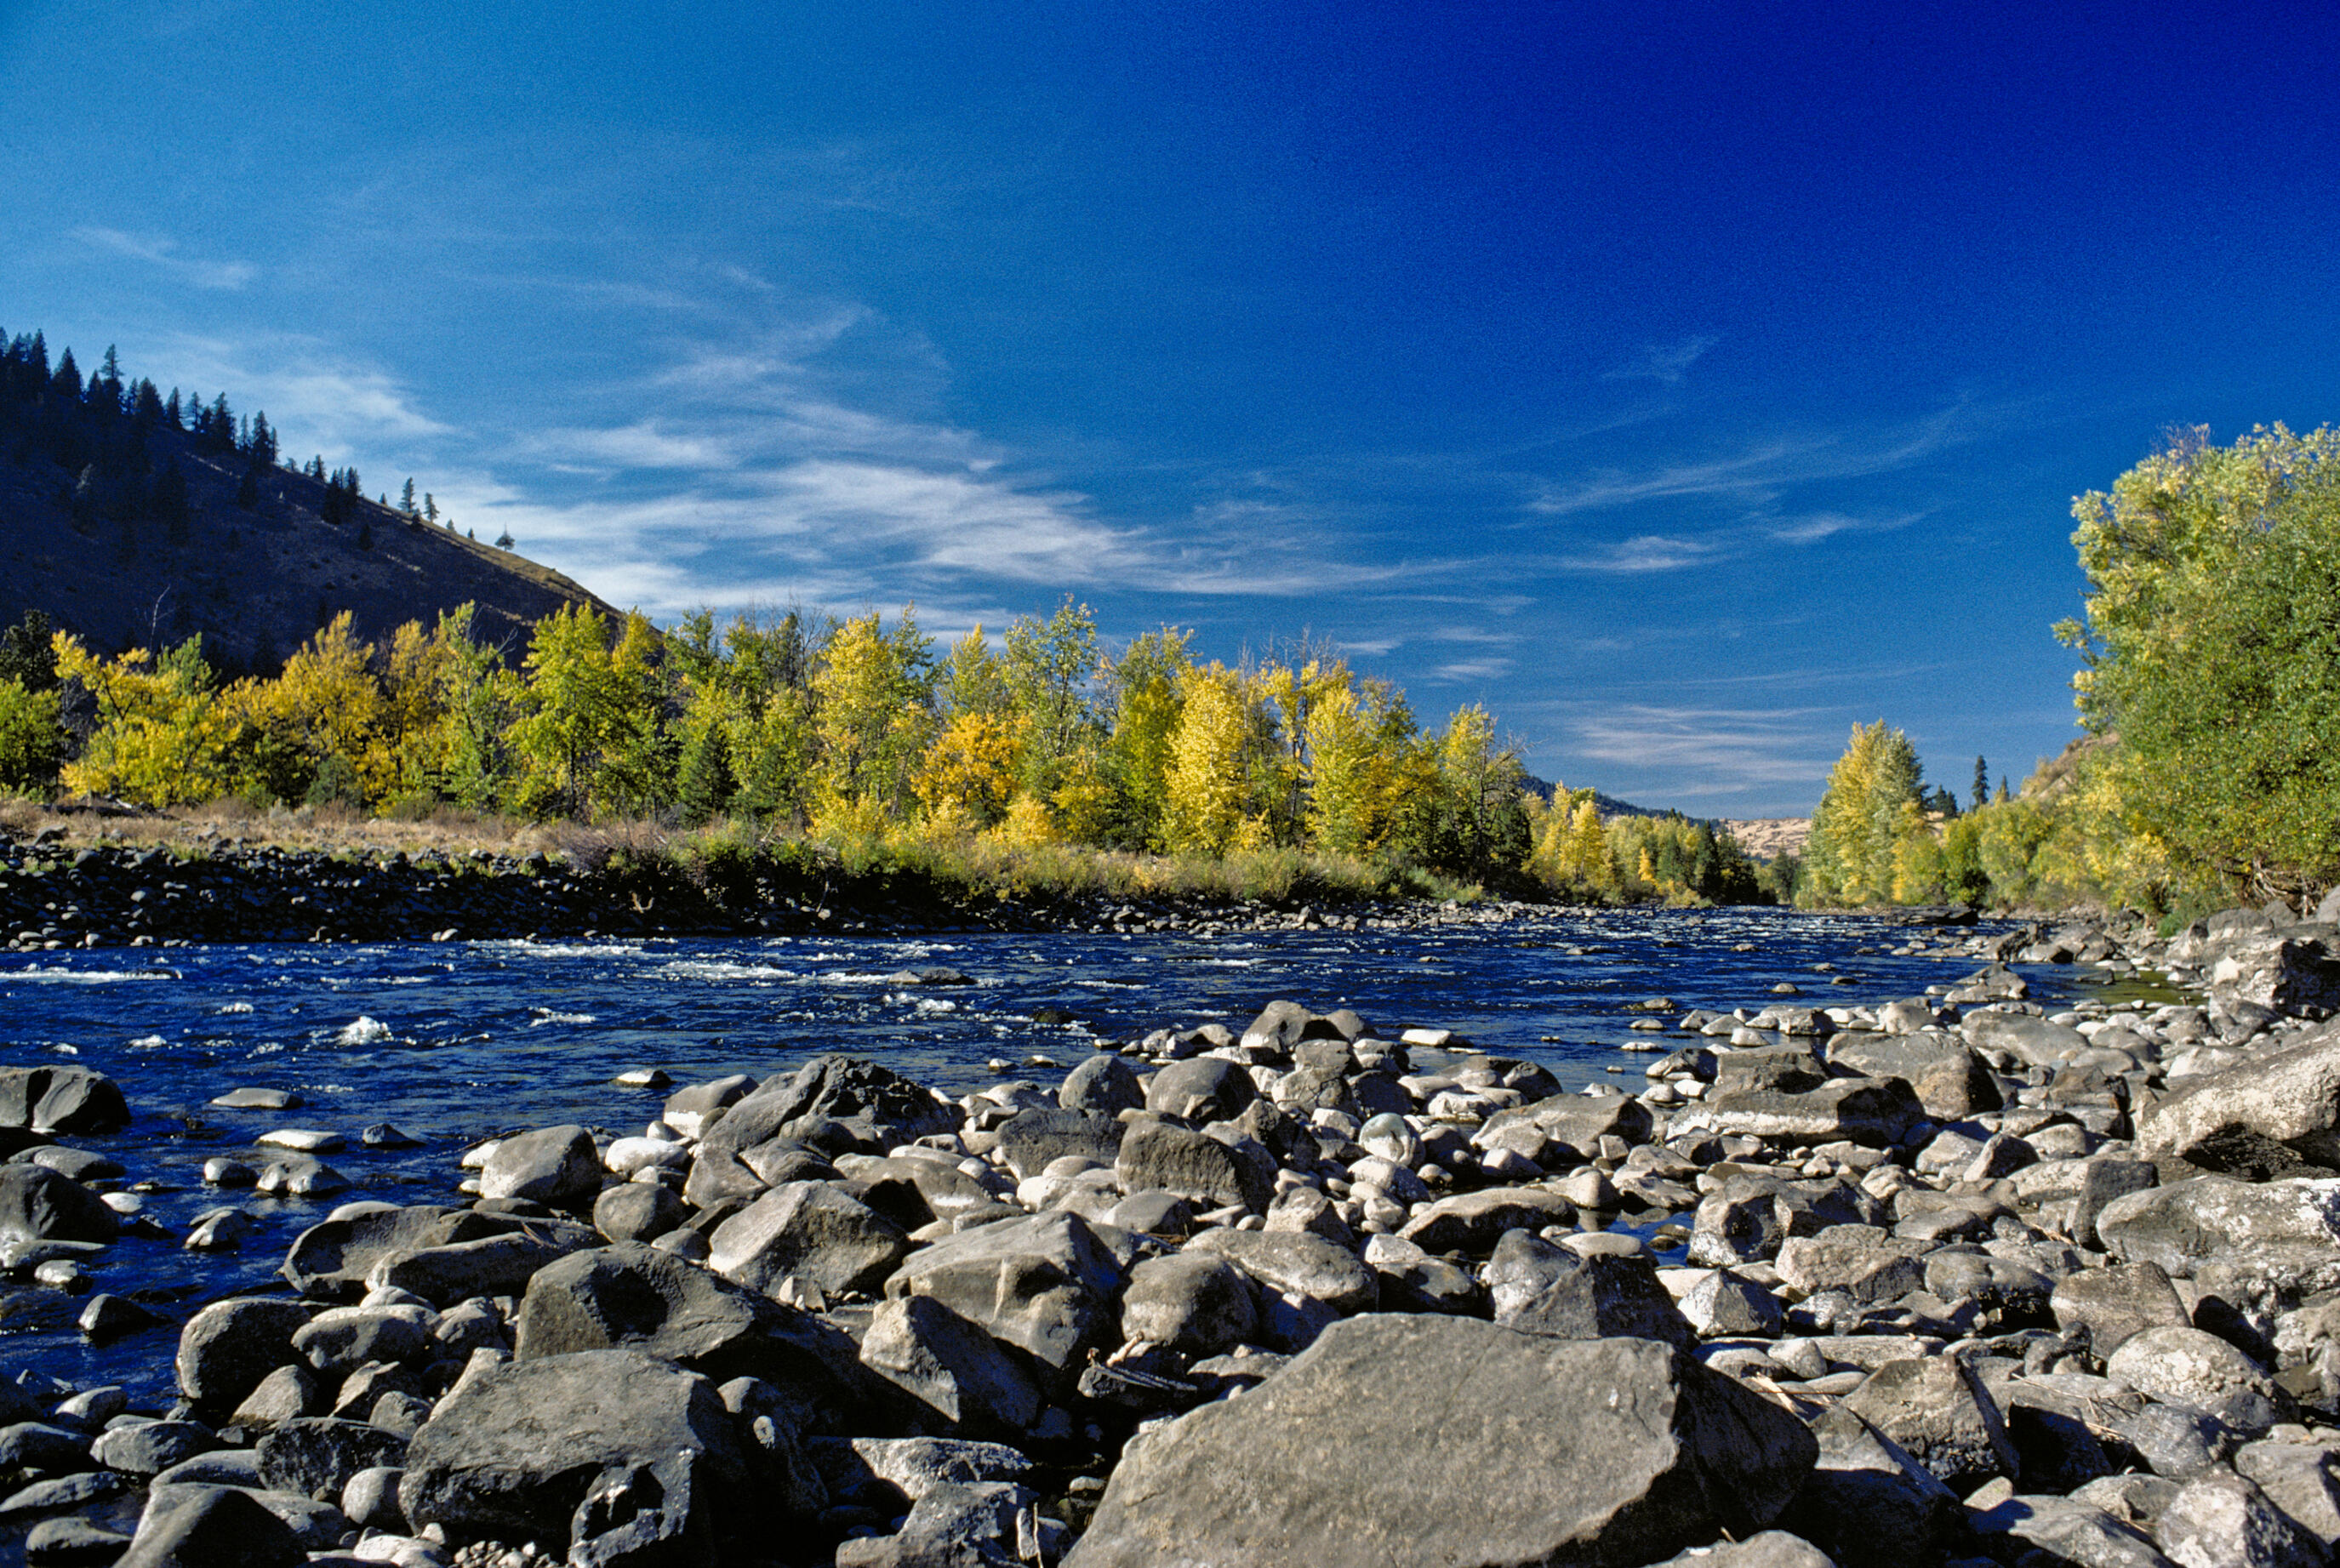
{"x":139,"y":517}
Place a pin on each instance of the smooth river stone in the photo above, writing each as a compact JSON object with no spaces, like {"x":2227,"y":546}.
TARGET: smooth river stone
{"x":257,"y":1099}
{"x":303,"y":1140}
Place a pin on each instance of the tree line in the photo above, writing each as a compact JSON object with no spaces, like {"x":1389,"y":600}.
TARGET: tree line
{"x":2210,"y":690}
{"x":855,"y":729}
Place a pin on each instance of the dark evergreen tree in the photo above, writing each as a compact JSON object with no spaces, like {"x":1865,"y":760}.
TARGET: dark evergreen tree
{"x":406,"y":498}
{"x":25,"y":655}
{"x":247,"y":489}
{"x":365,"y":533}
{"x":707,"y":783}
{"x":1981,"y":783}
{"x":66,"y":385}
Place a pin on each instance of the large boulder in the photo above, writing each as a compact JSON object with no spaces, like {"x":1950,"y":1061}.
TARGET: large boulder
{"x":633,"y":1296}
{"x":1542,"y":1289}
{"x":1878,"y":1112}
{"x":2186,"y":1366}
{"x":2284,"y":974}
{"x":1163,"y":1156}
{"x":515,"y":1453}
{"x":228,"y":1346}
{"x":1202,"y":1089}
{"x":1295,"y":1264}
{"x":1035,"y":1137}
{"x":211,"y":1527}
{"x":1950,"y":1081}
{"x":497,"y":1264}
{"x":1869,"y":1504}
{"x":2029,"y":1039}
{"x":809,"y":1228}
{"x":957,"y":1377}
{"x":64,"y":1099}
{"x":879,"y":1105}
{"x":316,"y":1456}
{"x":2286,"y":1232}
{"x":1422,"y":1439}
{"x":1941,"y":1414}
{"x":36,"y":1203}
{"x":1474,"y":1221}
{"x":557,"y":1166}
{"x":1045,"y":1284}
{"x":1571,"y":1123}
{"x":2287,"y":1095}
{"x":1106,"y":1084}
{"x":2104,"y":1308}
{"x":1192,"y":1303}
{"x":335,"y":1257}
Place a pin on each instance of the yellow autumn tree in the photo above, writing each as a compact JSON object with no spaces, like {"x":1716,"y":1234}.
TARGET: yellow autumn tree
{"x":319,"y":718}
{"x":967,"y":777}
{"x":874,"y":692}
{"x":163,"y":737}
{"x":1204,"y":805}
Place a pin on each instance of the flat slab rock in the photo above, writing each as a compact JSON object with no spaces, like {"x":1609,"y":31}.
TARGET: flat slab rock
{"x":1403,"y":1439}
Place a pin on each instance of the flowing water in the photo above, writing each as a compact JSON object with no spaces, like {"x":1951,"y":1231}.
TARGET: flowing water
{"x":458,"y":1042}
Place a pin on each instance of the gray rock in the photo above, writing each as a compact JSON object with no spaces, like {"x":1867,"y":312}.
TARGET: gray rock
{"x":35,"y":1445}
{"x":109,"y":1317}
{"x":1474,"y":1222}
{"x":875,"y":1468}
{"x":1860,"y":1260}
{"x":880,"y":1107}
{"x":2060,"y":1529}
{"x":1771,"y":1549}
{"x":500,"y":1265}
{"x":1876,"y":1112}
{"x":1190,"y":1301}
{"x":1950,"y":1081}
{"x":692,"y":1109}
{"x":2189,"y":1366}
{"x":1293,"y":1262}
{"x":1106,"y":1084}
{"x":1939,"y":1411}
{"x":955,"y":1372}
{"x":2103,"y":1308}
{"x":341,"y":1339}
{"x":2029,"y":1039}
{"x":66,"y":1099}
{"x":229,"y":1345}
{"x":2286,"y":1232}
{"x":2286,"y":1093}
{"x":371,"y":1500}
{"x":638,"y":1211}
{"x":1418,"y":1439}
{"x":552,"y":1166}
{"x":69,"y":1541}
{"x":151,"y":1447}
{"x":2301,"y":1479}
{"x":1592,"y":1297}
{"x":513,"y":1453}
{"x":334,"y":1258}
{"x":36,"y":1203}
{"x":1868,"y":1505}
{"x":2223,"y":1521}
{"x":317,"y":1455}
{"x":283,"y":1394}
{"x":1574,"y":1123}
{"x":1163,"y":1157}
{"x":1202,"y":1089}
{"x":955,"y":1526}
{"x":211,"y":1527}
{"x":1045,"y":1284}
{"x":1033,"y":1139}
{"x":810,"y":1228}
{"x":635,"y":1297}
{"x":1722,"y":1305}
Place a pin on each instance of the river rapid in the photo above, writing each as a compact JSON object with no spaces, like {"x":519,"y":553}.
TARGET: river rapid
{"x":454,"y":1043}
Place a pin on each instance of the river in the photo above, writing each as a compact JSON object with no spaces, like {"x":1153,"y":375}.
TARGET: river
{"x":457,"y":1042}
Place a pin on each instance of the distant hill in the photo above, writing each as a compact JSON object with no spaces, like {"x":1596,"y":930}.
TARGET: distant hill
{"x":136,"y":522}
{"x":1607,"y":805}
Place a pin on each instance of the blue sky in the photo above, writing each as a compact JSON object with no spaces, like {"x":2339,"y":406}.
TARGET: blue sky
{"x":1685,"y":382}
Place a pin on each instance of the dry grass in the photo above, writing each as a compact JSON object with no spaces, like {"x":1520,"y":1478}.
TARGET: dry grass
{"x":328,"y":830}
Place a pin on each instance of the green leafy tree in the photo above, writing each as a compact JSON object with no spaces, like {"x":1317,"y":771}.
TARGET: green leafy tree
{"x":1871,"y":802}
{"x":2211,"y":643}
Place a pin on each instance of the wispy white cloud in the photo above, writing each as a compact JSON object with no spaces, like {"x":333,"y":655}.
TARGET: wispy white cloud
{"x":316,"y":398}
{"x":1666,"y":363}
{"x":1645,"y":553}
{"x":161,"y":251}
{"x":1756,"y":472}
{"x":1727,"y":750}
{"x":1471,"y":669}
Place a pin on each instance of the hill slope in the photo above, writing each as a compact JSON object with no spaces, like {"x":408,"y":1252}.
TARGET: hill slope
{"x":92,"y":532}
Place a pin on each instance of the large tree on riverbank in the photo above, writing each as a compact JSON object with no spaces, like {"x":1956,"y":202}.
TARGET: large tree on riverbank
{"x":2212,"y":645}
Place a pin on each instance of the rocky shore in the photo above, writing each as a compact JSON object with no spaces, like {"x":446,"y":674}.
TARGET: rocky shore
{"x":54,"y":896}
{"x":1938,"y":1280}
